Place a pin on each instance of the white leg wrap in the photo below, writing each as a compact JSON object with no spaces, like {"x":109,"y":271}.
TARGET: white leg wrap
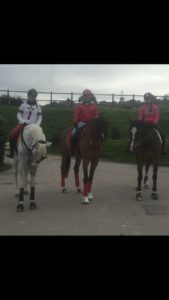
{"x":90,"y":196}
{"x":85,"y":200}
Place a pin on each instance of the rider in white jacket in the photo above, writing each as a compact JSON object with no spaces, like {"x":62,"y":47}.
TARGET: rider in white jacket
{"x":28,"y":113}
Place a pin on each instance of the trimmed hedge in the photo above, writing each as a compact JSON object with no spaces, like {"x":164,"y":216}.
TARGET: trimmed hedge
{"x":115,"y":147}
{"x":2,"y":140}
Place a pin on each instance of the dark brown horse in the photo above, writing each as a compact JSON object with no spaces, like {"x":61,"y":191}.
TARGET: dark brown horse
{"x":88,"y":150}
{"x":146,"y":144}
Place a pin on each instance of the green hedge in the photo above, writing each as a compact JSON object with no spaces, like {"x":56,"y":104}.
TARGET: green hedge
{"x":2,"y":140}
{"x":56,"y":120}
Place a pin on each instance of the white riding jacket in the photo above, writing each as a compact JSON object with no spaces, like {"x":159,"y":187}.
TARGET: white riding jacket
{"x":29,"y":113}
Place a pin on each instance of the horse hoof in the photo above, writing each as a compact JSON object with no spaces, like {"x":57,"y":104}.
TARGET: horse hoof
{"x":79,"y":190}
{"x":20,"y":207}
{"x":139,"y":197}
{"x":155,"y":196}
{"x":85,"y":201}
{"x":32,"y":206}
{"x":64,"y":190}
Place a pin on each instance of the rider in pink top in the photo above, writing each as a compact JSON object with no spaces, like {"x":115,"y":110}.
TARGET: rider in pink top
{"x":149,"y":113}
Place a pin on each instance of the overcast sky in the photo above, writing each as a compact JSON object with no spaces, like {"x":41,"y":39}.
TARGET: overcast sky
{"x":109,"y":78}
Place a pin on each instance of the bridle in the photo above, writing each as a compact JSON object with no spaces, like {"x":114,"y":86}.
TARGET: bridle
{"x":29,"y":151}
{"x":141,"y":141}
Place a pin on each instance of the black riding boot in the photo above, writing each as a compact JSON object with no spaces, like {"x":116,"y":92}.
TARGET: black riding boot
{"x":12,"y":144}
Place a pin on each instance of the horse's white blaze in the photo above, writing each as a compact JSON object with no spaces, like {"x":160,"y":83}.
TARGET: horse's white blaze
{"x":131,"y":146}
{"x":133,"y":132}
{"x":158,"y":136}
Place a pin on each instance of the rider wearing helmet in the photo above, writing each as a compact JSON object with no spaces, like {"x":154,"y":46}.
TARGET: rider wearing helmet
{"x":85,"y":111}
{"x":87,"y":95}
{"x":149,"y":113}
{"x":28,"y":113}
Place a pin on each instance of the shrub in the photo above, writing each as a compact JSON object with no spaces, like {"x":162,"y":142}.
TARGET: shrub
{"x":115,"y":133}
{"x":2,"y":140}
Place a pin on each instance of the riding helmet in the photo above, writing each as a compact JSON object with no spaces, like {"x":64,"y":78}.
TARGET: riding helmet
{"x":87,"y":94}
{"x":32,"y":92}
{"x":148,"y":96}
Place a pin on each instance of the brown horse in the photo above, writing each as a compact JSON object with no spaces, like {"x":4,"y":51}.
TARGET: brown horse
{"x":146,"y":144}
{"x":88,"y":150}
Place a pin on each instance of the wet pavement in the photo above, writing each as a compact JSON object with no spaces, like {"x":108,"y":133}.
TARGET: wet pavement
{"x":114,"y":210}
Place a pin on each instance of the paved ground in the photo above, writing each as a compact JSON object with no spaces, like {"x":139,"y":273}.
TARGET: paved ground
{"x":113,"y":212}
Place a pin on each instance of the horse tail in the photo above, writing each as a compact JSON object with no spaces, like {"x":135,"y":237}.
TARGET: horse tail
{"x":65,"y":166}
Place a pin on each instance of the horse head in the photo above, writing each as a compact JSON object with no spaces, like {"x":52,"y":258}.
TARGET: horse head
{"x":34,"y":143}
{"x":98,"y":126}
{"x":140,"y":133}
{"x":39,"y":151}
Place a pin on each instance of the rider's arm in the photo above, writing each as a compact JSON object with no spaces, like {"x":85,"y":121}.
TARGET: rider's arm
{"x":156,"y":115}
{"x":141,"y":113}
{"x":39,"y":116}
{"x":20,"y":114}
{"x":76,"y":115}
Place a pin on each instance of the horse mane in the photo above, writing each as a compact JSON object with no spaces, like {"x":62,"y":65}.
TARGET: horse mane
{"x":96,"y":126}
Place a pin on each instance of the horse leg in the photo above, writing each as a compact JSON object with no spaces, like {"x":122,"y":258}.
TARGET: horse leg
{"x":65,"y":166}
{"x":23,"y":179}
{"x":94,"y":164}
{"x":85,"y":199}
{"x":76,"y":172}
{"x":15,"y":173}
{"x":154,"y":194}
{"x":139,"y":181}
{"x":32,"y":203}
{"x":146,"y":185}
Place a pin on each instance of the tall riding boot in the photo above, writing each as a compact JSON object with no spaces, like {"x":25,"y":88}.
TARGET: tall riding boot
{"x":12,"y":143}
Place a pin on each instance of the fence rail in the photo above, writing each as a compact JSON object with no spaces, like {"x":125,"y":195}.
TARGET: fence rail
{"x":73,"y":97}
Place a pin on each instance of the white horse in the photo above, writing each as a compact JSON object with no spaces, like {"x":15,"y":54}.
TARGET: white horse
{"x":31,"y":150}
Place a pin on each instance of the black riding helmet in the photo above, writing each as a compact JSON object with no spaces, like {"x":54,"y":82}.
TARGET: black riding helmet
{"x":148,"y":96}
{"x":32,"y":92}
